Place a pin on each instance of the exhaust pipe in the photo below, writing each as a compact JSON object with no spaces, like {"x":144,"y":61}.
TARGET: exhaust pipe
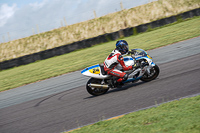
{"x":98,"y":86}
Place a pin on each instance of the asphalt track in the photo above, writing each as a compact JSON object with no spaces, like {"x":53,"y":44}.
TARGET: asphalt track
{"x":62,"y":103}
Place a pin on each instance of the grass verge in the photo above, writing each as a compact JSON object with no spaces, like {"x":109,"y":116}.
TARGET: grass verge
{"x":80,"y":59}
{"x":179,"y":116}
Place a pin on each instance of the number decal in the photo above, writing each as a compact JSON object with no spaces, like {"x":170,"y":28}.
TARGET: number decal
{"x":95,"y":70}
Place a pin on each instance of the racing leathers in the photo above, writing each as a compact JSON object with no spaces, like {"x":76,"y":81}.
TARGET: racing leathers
{"x":112,"y":61}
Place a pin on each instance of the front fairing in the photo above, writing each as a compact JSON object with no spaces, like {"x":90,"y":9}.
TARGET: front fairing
{"x":141,"y":54}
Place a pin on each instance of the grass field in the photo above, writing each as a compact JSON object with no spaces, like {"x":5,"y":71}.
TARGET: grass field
{"x":92,"y":28}
{"x":80,"y":59}
{"x":179,"y":116}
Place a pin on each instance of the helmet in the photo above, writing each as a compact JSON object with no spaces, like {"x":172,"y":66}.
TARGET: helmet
{"x":122,"y":46}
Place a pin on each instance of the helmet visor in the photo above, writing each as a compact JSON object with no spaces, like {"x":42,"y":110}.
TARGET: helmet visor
{"x":125,"y":49}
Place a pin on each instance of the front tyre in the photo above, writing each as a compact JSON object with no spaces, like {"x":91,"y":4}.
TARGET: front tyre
{"x":154,"y":72}
{"x":95,"y":91}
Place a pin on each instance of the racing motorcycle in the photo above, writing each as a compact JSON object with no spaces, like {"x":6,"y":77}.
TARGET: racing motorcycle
{"x":100,"y":82}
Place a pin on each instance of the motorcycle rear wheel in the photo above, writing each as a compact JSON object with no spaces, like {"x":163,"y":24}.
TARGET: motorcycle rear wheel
{"x":154,"y":74}
{"x":95,"y":91}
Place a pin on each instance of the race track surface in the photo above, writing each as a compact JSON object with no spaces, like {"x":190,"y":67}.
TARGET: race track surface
{"x":57,"y":111}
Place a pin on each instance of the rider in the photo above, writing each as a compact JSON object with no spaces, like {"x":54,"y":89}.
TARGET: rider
{"x":115,"y":58}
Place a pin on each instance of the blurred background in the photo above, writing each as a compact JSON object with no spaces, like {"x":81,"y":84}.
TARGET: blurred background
{"x":19,"y":18}
{"x":31,"y":26}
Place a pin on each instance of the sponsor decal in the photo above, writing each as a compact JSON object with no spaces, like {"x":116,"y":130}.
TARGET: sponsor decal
{"x":149,"y":57}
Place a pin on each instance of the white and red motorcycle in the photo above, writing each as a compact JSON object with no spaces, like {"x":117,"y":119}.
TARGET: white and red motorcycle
{"x":100,"y":82}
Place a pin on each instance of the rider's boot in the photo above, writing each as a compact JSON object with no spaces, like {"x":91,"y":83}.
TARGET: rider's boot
{"x":113,"y":83}
{"x":120,"y":80}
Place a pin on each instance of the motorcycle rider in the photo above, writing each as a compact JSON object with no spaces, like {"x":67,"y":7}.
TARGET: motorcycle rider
{"x":116,"y":58}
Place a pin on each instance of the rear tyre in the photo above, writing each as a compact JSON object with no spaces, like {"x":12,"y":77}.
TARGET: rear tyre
{"x":154,"y":72}
{"x":95,"y":91}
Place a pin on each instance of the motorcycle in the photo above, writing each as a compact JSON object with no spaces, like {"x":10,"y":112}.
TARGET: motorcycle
{"x":100,"y":82}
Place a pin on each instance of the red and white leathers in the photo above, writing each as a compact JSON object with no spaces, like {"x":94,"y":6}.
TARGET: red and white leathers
{"x":112,"y":61}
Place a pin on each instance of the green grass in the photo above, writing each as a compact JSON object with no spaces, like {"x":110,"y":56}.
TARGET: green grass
{"x":179,"y":116}
{"x":80,"y":59}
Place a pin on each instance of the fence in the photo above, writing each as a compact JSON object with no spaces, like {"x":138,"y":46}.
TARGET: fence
{"x":96,"y":40}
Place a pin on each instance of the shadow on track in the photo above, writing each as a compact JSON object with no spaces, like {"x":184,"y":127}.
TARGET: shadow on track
{"x":123,"y":88}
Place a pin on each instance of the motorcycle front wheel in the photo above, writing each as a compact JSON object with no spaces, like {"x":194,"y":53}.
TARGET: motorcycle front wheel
{"x":154,"y":72}
{"x":95,"y":91}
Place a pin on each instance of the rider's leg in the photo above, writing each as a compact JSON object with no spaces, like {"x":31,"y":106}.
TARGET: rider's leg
{"x":122,"y":75}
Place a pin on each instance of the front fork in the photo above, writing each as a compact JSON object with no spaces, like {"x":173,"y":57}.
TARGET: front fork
{"x":149,"y":68}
